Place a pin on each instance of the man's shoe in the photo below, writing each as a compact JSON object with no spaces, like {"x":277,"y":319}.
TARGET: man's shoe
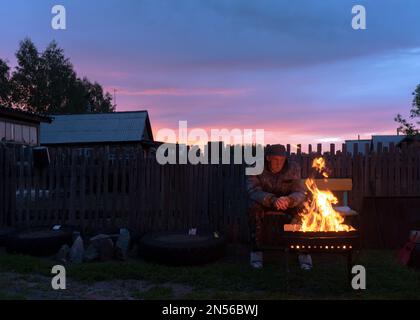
{"x":305,"y":261}
{"x":256,"y":259}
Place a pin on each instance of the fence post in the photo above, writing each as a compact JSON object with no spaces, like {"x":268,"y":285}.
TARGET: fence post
{"x":332,"y":149}
{"x":73,"y":177}
{"x":319,"y":149}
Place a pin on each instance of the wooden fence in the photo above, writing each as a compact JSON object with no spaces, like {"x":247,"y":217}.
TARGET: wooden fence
{"x":125,"y":189}
{"x":128,"y":189}
{"x":7,"y":187}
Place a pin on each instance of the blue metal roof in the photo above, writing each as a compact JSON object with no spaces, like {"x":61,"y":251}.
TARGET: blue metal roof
{"x":97,"y":127}
{"x":360,"y":145}
{"x":386,"y":140}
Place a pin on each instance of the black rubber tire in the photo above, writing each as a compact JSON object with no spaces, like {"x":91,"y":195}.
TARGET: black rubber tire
{"x":180,"y":249}
{"x":5,"y":233}
{"x":45,"y":245}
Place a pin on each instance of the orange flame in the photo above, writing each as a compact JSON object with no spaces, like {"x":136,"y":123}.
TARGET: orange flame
{"x":318,"y":213}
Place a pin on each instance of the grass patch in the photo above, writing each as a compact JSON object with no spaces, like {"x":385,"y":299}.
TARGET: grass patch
{"x":215,"y":276}
{"x":25,"y":264}
{"x":386,"y":279}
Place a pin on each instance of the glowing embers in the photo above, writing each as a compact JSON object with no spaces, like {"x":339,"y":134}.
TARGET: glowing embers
{"x":320,"y":247}
{"x":333,"y":241}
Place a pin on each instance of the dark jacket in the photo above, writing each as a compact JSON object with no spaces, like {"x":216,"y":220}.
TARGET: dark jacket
{"x":265,"y":187}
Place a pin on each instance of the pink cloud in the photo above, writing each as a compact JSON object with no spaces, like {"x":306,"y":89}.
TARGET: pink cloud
{"x":224,"y":92}
{"x":305,"y":130}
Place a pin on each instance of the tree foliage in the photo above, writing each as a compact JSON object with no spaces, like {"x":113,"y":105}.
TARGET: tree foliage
{"x":406,"y":126}
{"x":46,"y":82}
{"x":4,"y":82}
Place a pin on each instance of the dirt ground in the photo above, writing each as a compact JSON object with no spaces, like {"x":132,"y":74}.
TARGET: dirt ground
{"x":38,"y":287}
{"x":23,"y":277}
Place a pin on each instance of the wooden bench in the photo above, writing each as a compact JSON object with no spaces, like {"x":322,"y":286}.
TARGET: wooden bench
{"x":342,"y":187}
{"x":272,"y":226}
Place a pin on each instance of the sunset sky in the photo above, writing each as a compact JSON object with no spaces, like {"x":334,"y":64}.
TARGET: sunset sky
{"x":294,"y":68}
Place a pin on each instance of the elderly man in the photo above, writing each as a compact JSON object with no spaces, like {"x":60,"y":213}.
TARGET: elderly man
{"x":278,"y":190}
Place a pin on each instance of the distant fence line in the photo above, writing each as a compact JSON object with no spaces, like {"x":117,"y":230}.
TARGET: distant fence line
{"x":130,"y":189}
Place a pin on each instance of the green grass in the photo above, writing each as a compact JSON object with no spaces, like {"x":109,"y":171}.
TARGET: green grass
{"x":386,"y":279}
{"x":25,"y":264}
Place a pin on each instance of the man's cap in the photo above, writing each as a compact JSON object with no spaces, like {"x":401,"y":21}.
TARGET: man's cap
{"x":276,"y":150}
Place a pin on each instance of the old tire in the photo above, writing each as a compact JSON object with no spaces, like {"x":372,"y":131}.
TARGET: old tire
{"x":178,"y":248}
{"x":39,"y":241}
{"x":5,"y":233}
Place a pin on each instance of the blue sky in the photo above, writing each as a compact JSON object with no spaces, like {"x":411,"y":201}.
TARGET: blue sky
{"x":294,"y":68}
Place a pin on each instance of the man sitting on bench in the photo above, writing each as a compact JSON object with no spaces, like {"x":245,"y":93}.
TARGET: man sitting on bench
{"x":277,"y":190}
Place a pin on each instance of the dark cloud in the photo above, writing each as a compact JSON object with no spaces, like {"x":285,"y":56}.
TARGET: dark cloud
{"x":292,"y":66}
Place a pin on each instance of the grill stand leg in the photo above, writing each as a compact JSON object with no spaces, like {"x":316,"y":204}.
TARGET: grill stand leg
{"x":287,"y":254}
{"x":349,"y":266}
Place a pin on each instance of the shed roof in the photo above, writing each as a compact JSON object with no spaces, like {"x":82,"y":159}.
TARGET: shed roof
{"x":386,"y":140}
{"x":97,"y":127}
{"x":18,"y":114}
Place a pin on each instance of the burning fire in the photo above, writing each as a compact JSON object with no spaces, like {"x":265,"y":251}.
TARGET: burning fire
{"x":319,"y":214}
